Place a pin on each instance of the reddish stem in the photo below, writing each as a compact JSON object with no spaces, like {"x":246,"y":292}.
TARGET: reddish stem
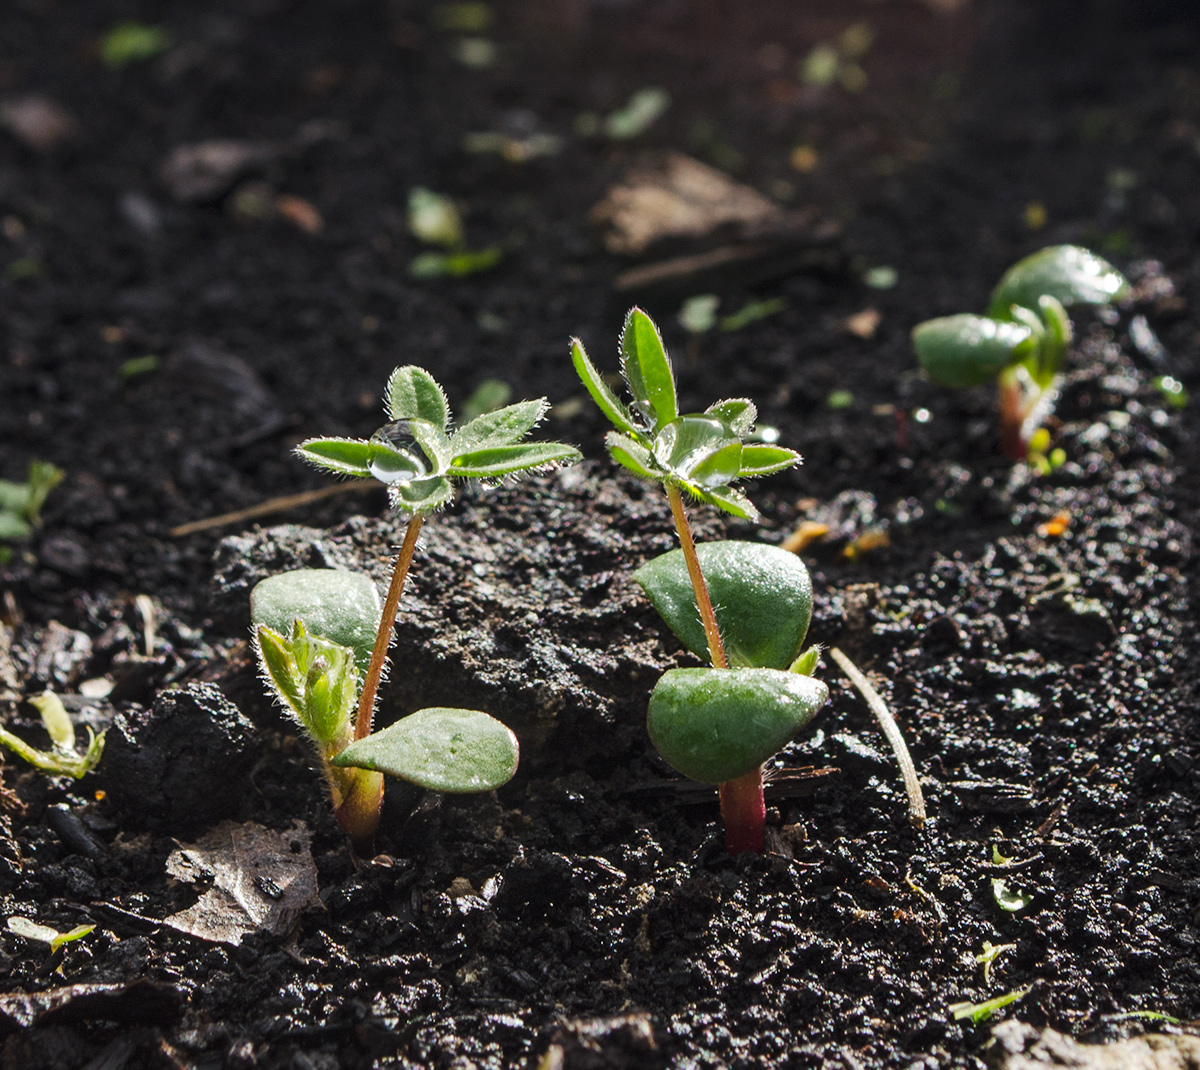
{"x":387,"y":621}
{"x":1013,"y":411}
{"x":743,"y":808}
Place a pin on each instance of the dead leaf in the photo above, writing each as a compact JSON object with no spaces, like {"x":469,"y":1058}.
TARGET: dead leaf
{"x":300,"y":213}
{"x":863,"y":324}
{"x":677,"y":197}
{"x":262,"y":880}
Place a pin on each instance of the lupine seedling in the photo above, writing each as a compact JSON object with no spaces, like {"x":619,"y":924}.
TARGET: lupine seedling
{"x":1022,"y":340}
{"x":417,"y":457}
{"x":717,"y":725}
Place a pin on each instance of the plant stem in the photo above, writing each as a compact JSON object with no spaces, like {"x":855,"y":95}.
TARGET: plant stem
{"x":743,"y":808}
{"x":1013,"y":411}
{"x":716,"y":649}
{"x":387,"y":621}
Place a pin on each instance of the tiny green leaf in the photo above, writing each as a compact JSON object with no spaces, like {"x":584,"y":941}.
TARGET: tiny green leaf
{"x":967,"y":350}
{"x":433,"y":442}
{"x":762,"y":596}
{"x":714,"y":725}
{"x":12,"y":527}
{"x":738,"y":413}
{"x":132,"y":42}
{"x":720,"y":467}
{"x":43,"y":478}
{"x":507,"y":460}
{"x":633,"y":456}
{"x":413,"y":394}
{"x":1009,"y":898}
{"x":1072,"y":275}
{"x":728,"y":499}
{"x":687,"y":442}
{"x":345,"y":456}
{"x":766,"y":460}
{"x":314,"y":678}
{"x":647,"y":369}
{"x":390,"y":463}
{"x":334,"y":604}
{"x":421,"y":495}
{"x":56,"y":719}
{"x":808,"y":662}
{"x":981,"y":1012}
{"x":434,"y":218}
{"x":499,"y":428}
{"x":442,"y":749}
{"x":605,"y":399}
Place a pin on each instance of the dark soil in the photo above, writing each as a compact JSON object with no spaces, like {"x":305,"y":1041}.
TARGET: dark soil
{"x":586,"y":915}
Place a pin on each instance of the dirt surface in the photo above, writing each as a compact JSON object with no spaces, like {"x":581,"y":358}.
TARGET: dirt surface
{"x":1033,"y":633}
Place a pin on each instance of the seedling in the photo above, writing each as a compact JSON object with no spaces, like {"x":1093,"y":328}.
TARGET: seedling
{"x":314,"y":631}
{"x":21,"y":503}
{"x":434,"y":219}
{"x":31,"y":930}
{"x":1022,"y":340}
{"x":716,"y":725}
{"x":62,"y":758}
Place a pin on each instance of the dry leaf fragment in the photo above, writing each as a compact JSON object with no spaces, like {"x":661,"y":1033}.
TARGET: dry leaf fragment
{"x":261,"y":881}
{"x":863,"y":324}
{"x":300,"y":213}
{"x":808,"y":532}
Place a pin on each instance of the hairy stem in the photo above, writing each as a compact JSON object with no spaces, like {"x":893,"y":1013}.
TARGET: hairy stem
{"x":716,"y":649}
{"x":743,"y":808}
{"x":387,"y":621}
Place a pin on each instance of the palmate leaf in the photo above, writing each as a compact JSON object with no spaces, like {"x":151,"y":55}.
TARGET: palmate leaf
{"x":605,"y":399}
{"x":345,"y":456}
{"x":715,"y":725}
{"x":508,"y":460}
{"x":413,"y":394}
{"x":966,"y":350}
{"x":442,"y":749}
{"x":766,"y":460}
{"x":646,"y":368}
{"x":503,"y":427}
{"x":1070,"y":274}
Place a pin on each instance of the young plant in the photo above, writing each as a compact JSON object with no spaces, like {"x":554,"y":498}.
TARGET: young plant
{"x":62,"y":758}
{"x":1022,"y":340}
{"x":21,"y":503}
{"x":720,"y":724}
{"x":314,"y":665}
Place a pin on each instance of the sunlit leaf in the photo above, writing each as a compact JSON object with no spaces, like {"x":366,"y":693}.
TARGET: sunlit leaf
{"x":345,"y":456}
{"x":1070,"y":274}
{"x":762,"y":596}
{"x":605,"y":399}
{"x":967,"y":350}
{"x":646,"y":368}
{"x":421,"y":495}
{"x":412,"y":393}
{"x":766,"y":460}
{"x":728,"y":499}
{"x":499,"y":428}
{"x":442,"y":749}
{"x":507,"y":460}
{"x":719,"y":467}
{"x":714,"y":725}
{"x":738,"y":413}
{"x":633,"y":456}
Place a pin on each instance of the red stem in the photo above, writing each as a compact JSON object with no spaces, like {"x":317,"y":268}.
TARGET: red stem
{"x":743,"y":808}
{"x":1013,"y":410}
{"x":387,"y":621}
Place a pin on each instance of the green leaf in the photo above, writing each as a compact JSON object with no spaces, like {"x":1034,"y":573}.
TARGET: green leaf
{"x":391,"y":464}
{"x":605,"y":399}
{"x":718,"y":468}
{"x":434,"y":218}
{"x":14,"y":497}
{"x":78,"y":933}
{"x":633,"y":456}
{"x":491,"y":394}
{"x":738,"y":413}
{"x":56,"y":719}
{"x":714,"y":725}
{"x":421,"y":495}
{"x":499,"y":428}
{"x":646,"y":368}
{"x":334,"y":604}
{"x":507,"y":460}
{"x":762,"y":596}
{"x":12,"y":527}
{"x":43,"y":478}
{"x":1009,"y":898}
{"x":766,"y":460}
{"x":1072,"y":275}
{"x":683,"y":444}
{"x":412,"y":393}
{"x":345,"y":456}
{"x":967,"y":350}
{"x":434,"y":444}
{"x":441,"y":749}
{"x":314,"y":678}
{"x":981,"y":1012}
{"x":1057,"y":337}
{"x":728,"y":499}
{"x":279,"y":666}
{"x":132,"y":42}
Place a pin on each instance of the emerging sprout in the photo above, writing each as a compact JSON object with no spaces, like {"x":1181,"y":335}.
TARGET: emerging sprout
{"x":1022,"y":340}
{"x":720,"y":724}
{"x":62,"y":758}
{"x":323,"y":640}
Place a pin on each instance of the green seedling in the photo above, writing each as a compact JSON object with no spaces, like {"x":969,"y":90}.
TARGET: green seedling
{"x":1020,"y":344}
{"x":434,"y":219}
{"x":62,"y":758}
{"x":132,"y":42}
{"x":21,"y":503}
{"x":31,"y":930}
{"x":720,"y":724}
{"x":318,"y":636}
{"x":981,"y":1012}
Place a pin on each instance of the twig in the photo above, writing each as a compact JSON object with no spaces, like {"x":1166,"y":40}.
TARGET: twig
{"x":272,"y":505}
{"x":916,"y":801}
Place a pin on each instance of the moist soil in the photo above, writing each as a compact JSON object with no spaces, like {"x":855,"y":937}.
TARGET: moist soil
{"x":1033,"y":633}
